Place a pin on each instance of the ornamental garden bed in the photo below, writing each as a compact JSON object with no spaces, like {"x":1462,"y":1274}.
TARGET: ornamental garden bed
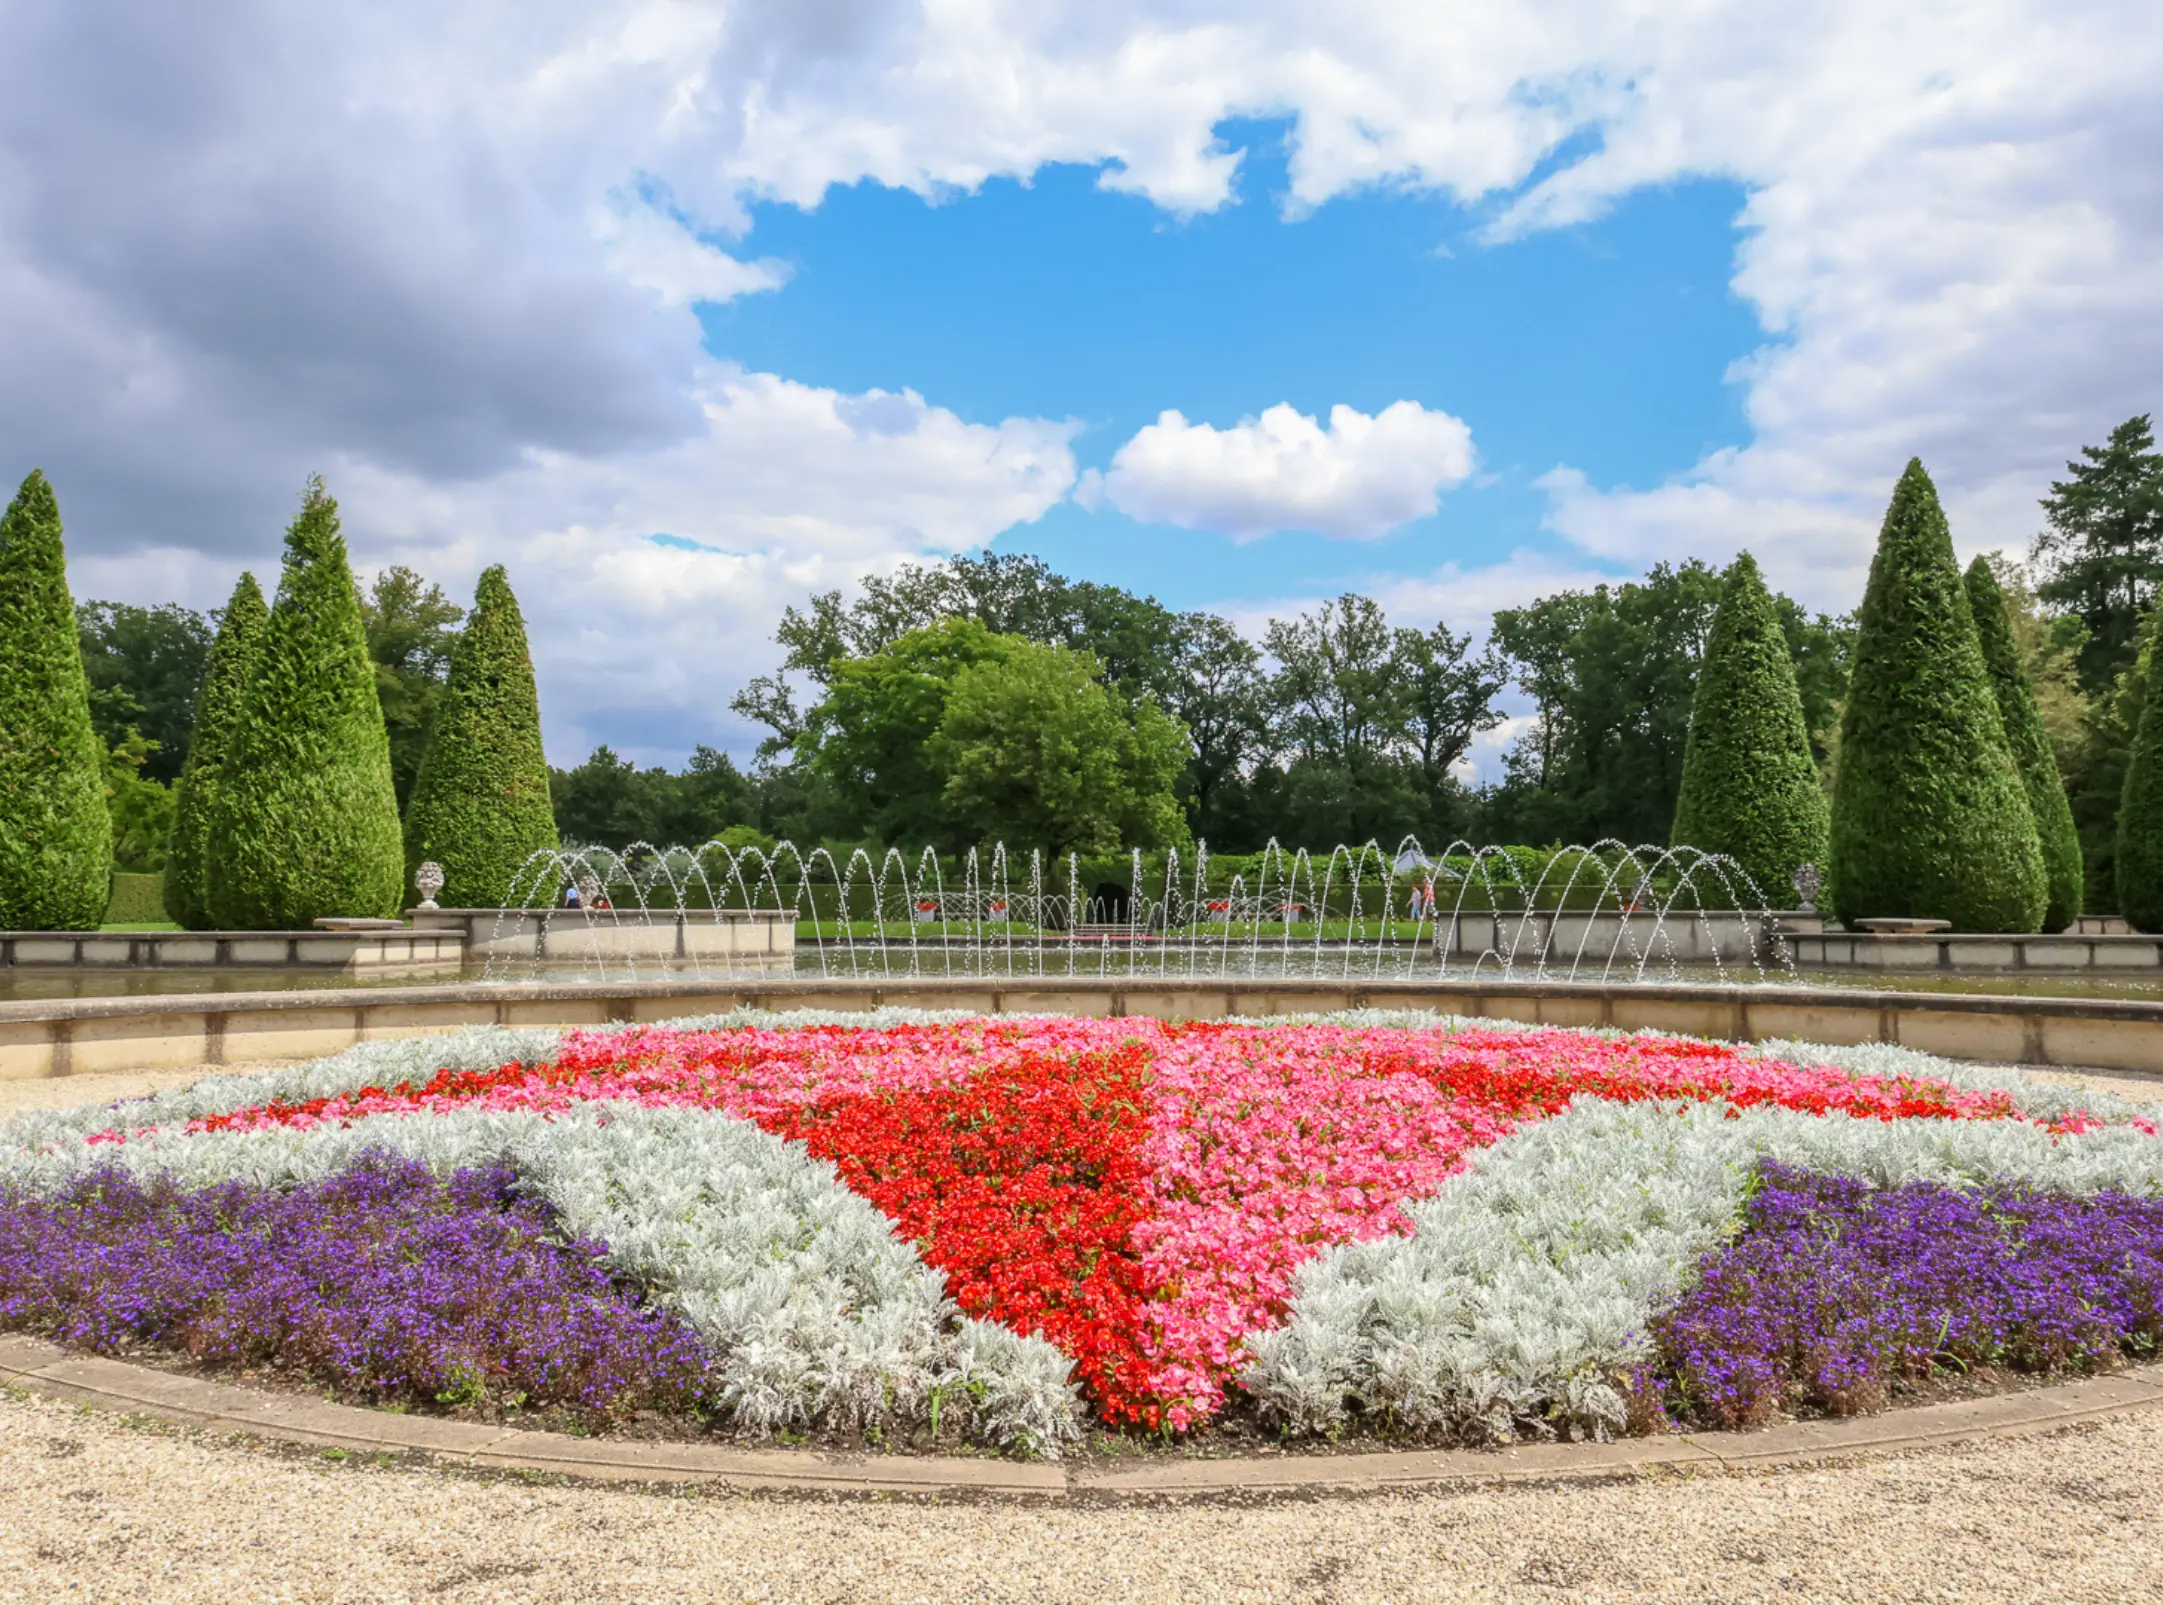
{"x":1047,"y":1236}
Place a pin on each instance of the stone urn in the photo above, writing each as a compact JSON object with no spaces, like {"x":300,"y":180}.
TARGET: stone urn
{"x":428,"y":880}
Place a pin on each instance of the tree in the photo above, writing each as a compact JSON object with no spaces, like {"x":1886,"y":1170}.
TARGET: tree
{"x":2102,"y":554}
{"x":2137,"y":859}
{"x":217,"y":707}
{"x":2024,"y":733}
{"x":480,"y":806}
{"x":603,"y":802}
{"x":2048,"y":647}
{"x":1930,"y":817}
{"x":1749,"y":780}
{"x":1136,"y":641}
{"x":1218,"y":694}
{"x":1038,"y":753}
{"x":1447,"y":698}
{"x":411,"y":628}
{"x":870,"y":737}
{"x":609,"y":801}
{"x":1613,"y":671}
{"x":1340,"y":713}
{"x":141,"y":809}
{"x":145,"y":666}
{"x":55,"y":835}
{"x":1821,"y":646}
{"x":304,"y":822}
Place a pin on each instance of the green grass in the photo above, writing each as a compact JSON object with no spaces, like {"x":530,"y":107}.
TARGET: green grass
{"x":147,"y":925}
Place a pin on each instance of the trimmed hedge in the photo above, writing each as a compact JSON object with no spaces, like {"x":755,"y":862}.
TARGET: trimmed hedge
{"x":2140,"y":806}
{"x":217,"y":707}
{"x":1750,"y":786}
{"x":305,"y":823}
{"x":480,"y":804}
{"x":56,"y":838}
{"x":1930,"y":818}
{"x":2031,"y":747}
{"x":136,"y":900}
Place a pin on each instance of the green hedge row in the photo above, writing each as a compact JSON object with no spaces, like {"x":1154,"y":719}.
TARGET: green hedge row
{"x":137,"y":900}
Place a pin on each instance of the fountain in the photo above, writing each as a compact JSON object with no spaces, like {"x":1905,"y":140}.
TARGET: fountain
{"x":1608,"y":912}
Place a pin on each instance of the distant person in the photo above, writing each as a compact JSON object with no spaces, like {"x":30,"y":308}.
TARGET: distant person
{"x":570,"y":894}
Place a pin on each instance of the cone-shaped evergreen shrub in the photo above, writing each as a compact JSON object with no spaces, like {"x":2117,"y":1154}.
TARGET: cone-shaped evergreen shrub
{"x":305,"y":822}
{"x":1930,"y":819}
{"x":480,"y":804}
{"x":2031,"y":747}
{"x":2140,"y":807}
{"x":56,"y":840}
{"x":217,"y":706}
{"x":1749,"y":784}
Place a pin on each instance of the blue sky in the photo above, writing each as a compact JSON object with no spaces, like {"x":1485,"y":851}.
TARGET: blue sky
{"x":1605,"y":346}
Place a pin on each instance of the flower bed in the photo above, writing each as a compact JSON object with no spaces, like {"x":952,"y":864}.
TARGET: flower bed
{"x":1835,"y":1290}
{"x":379,"y":1278}
{"x":960,"y":1224}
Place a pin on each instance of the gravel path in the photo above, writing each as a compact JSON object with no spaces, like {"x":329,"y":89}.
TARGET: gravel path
{"x":98,"y":1509}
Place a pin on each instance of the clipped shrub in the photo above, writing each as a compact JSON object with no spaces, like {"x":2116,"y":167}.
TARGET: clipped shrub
{"x":480,"y":806}
{"x":2140,"y":806}
{"x":1930,"y":818}
{"x":217,"y":707}
{"x":1749,"y":782}
{"x":56,"y":839}
{"x":305,"y":823}
{"x":136,"y":900}
{"x":2024,"y":733}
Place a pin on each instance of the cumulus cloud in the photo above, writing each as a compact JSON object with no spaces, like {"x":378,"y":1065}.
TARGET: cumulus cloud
{"x":1356,"y":479}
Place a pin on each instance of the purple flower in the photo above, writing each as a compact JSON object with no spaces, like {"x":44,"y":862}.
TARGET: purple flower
{"x":1833,"y":1291}
{"x":380,"y":1279}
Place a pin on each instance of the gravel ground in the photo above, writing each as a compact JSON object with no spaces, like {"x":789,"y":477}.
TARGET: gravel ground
{"x":98,"y":1507}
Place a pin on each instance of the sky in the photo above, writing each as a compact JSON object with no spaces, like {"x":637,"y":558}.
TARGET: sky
{"x":685,"y":310}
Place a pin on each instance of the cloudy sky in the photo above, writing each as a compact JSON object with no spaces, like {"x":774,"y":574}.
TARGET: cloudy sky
{"x":685,"y":309}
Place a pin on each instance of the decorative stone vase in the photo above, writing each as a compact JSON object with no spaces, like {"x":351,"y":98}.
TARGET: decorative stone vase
{"x":428,"y":880}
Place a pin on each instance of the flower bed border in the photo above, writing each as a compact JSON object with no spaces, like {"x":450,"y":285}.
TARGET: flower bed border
{"x":48,"y":1370}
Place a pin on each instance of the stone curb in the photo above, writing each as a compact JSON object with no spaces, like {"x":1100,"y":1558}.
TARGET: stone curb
{"x":47,"y":1369}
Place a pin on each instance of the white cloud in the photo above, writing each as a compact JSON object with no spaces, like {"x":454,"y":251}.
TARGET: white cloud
{"x":1359,"y":478}
{"x":657,"y":252}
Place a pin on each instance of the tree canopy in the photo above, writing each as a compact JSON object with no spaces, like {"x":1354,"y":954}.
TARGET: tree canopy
{"x":305,"y":822}
{"x":1036,"y":752}
{"x":1613,"y":675}
{"x":953,"y":734}
{"x":2024,"y":733}
{"x":1930,"y":816}
{"x":2101,"y":551}
{"x":480,"y":805}
{"x":145,"y":666}
{"x":1750,"y":786}
{"x":411,"y":629}
{"x":55,"y":832}
{"x":224,"y":691}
